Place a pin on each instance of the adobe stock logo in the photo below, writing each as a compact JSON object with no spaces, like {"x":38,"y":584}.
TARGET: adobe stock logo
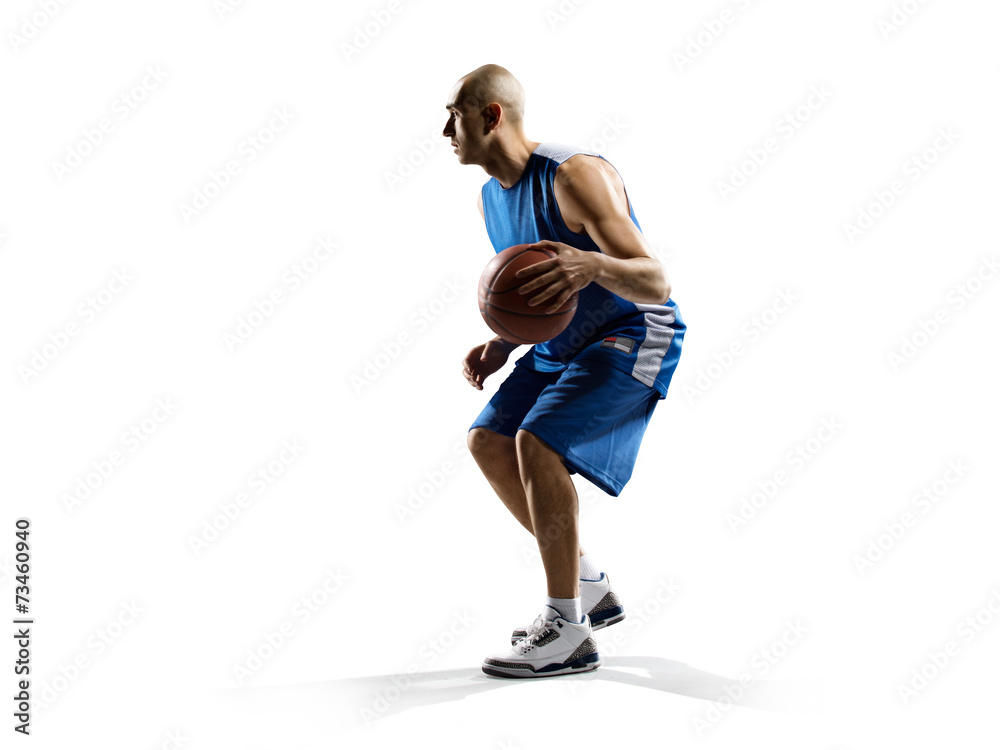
{"x":229,"y":512}
{"x":121,"y":108}
{"x":98,"y":643}
{"x":893,"y":531}
{"x":86,"y":313}
{"x":273,"y":640}
{"x":955,"y":300}
{"x":707,"y":35}
{"x":761,"y":663}
{"x":101,"y":470}
{"x":365,"y":33}
{"x":219,"y":180}
{"x":408,"y":164}
{"x":427,"y":655}
{"x":796,"y":460}
{"x":785,"y":126}
{"x":750,"y":332}
{"x":561,"y":13}
{"x":373,"y":367}
{"x":915,"y":168}
{"x":900,"y":16}
{"x":32,"y":25}
{"x":267,"y":305}
{"x":969,"y":629}
{"x":225,"y":7}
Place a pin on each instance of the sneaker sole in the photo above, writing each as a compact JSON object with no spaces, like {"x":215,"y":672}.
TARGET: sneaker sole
{"x":608,"y":617}
{"x":586,"y":663}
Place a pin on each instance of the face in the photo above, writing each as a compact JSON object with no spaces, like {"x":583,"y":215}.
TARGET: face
{"x":461,"y":129}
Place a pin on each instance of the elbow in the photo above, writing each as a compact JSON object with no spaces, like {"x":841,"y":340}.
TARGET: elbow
{"x":658,"y":283}
{"x":653,"y":290}
{"x":663,"y":288}
{"x":645,"y":285}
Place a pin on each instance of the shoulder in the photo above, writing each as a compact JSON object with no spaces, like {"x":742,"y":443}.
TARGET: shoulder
{"x":581,"y":166}
{"x":583,"y":175}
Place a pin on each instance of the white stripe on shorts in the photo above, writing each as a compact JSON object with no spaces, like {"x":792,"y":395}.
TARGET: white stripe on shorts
{"x":652,"y":350}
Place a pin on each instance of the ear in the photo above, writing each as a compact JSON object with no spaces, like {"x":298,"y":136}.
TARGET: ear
{"x":492,"y":115}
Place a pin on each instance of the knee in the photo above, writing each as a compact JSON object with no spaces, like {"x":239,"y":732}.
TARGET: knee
{"x":529,"y":446}
{"x":484,"y":444}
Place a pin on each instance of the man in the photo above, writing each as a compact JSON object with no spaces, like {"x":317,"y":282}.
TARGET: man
{"x":579,"y":403}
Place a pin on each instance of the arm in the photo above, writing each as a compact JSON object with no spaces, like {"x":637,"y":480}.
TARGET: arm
{"x":507,"y":346}
{"x":589,"y":200}
{"x":485,"y":359}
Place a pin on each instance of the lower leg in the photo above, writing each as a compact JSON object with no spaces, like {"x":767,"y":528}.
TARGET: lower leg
{"x":497,"y":459}
{"x":553,"y":505}
{"x":496,"y":456}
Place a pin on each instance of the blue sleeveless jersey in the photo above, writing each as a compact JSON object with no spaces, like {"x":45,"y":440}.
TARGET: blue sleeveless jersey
{"x":642,"y":340}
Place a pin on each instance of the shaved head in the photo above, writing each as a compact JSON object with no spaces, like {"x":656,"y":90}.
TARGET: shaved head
{"x":485,"y":122}
{"x":492,"y":83}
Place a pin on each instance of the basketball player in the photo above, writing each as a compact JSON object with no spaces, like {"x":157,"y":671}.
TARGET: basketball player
{"x":580,"y":402}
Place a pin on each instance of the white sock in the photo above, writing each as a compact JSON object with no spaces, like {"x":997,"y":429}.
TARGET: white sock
{"x":589,"y":569}
{"x":570,"y":609}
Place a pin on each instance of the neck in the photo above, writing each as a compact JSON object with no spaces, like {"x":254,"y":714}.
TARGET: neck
{"x":508,"y":162}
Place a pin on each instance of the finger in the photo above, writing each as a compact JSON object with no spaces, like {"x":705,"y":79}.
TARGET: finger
{"x":546,"y":293}
{"x":560,"y":301}
{"x":530,"y":286}
{"x":543,"y":245}
{"x":538,"y":282}
{"x":539,"y":267}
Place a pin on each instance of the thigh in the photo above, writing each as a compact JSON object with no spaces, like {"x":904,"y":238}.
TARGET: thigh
{"x":514,"y":399}
{"x":595,"y":417}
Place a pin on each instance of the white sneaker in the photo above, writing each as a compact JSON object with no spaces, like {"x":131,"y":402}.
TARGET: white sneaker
{"x":552,"y":646}
{"x":597,"y":600}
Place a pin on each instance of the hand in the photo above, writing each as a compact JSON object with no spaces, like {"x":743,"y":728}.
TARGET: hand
{"x":558,"y":278}
{"x":484,"y":360}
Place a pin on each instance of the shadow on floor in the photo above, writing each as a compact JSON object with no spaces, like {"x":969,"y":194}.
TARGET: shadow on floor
{"x":383,"y":695}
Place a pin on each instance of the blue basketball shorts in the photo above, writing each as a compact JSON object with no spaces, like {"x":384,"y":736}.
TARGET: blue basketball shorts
{"x":591,"y":414}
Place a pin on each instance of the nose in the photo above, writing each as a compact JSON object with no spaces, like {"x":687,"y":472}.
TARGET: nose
{"x":449,"y":131}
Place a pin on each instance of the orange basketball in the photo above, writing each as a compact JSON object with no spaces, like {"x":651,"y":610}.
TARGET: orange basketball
{"x":506,"y":310}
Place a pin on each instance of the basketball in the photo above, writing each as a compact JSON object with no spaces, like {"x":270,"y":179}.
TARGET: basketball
{"x":506,"y":310}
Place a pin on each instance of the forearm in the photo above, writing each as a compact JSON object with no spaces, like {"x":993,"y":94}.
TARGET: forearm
{"x":641,"y":280}
{"x":508,"y":346}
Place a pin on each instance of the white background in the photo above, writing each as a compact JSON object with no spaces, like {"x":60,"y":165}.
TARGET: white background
{"x":430,"y":586}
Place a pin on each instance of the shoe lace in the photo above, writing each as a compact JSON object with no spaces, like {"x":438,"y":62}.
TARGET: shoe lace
{"x":538,"y":629}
